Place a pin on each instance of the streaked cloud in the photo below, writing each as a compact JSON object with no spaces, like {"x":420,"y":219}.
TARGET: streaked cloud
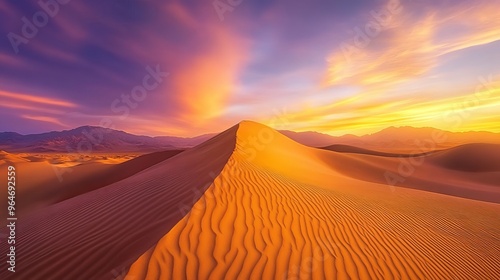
{"x":50,"y":120}
{"x":206,"y":80}
{"x":21,"y":106}
{"x":412,"y":44}
{"x":474,"y":110}
{"x":36,"y":99}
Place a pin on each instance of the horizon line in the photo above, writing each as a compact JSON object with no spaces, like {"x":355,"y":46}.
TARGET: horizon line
{"x":289,"y":130}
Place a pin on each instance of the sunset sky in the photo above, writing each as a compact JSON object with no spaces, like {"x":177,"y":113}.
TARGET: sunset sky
{"x":333,"y":66}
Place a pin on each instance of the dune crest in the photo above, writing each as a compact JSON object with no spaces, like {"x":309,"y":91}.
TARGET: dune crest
{"x":280,"y":210}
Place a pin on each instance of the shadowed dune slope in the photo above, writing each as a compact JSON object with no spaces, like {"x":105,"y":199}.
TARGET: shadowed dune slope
{"x":46,"y":184}
{"x":97,"y":235}
{"x":356,"y":150}
{"x":446,"y":172}
{"x":280,"y":210}
{"x":80,"y":185}
{"x":31,"y":195}
{"x":470,"y":158}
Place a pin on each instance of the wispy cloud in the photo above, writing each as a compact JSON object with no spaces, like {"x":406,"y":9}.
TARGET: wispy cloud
{"x":21,"y":106}
{"x":474,"y":110}
{"x":412,"y":44}
{"x":46,"y":119}
{"x":27,"y":98}
{"x":205,"y":83}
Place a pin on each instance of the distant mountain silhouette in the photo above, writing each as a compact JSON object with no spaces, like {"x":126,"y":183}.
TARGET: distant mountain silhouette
{"x":310,"y":138}
{"x":419,"y":139}
{"x":98,"y":139}
{"x":81,"y":140}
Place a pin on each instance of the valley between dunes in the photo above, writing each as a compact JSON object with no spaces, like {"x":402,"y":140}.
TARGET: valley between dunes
{"x":252,"y":204}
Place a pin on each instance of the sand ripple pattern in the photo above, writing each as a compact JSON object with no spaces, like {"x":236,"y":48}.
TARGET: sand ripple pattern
{"x":253,"y":223}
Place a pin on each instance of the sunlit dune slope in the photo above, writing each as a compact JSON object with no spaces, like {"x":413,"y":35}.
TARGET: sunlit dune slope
{"x":280,"y":210}
{"x":97,"y":235}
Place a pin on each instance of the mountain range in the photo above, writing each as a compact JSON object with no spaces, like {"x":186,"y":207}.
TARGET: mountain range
{"x":98,"y":139}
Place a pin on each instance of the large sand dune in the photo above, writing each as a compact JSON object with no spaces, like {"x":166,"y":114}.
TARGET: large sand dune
{"x":252,"y":204}
{"x":280,"y":211}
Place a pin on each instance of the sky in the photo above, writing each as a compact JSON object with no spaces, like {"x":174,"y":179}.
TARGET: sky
{"x":192,"y":67}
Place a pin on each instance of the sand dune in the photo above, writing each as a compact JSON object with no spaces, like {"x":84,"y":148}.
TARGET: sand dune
{"x":77,"y":184}
{"x":38,"y":184}
{"x":10,"y":158}
{"x":100,"y":233}
{"x":252,"y":204}
{"x":43,"y":186}
{"x":470,"y":158}
{"x":435,"y":172}
{"x":282,"y":213}
{"x":357,"y":150}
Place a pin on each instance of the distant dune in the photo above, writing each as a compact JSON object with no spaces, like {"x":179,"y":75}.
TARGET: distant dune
{"x":470,"y":158}
{"x":356,"y":150}
{"x":76,"y":185}
{"x":469,"y":171}
{"x":38,"y":185}
{"x":252,"y":204}
{"x":13,"y":158}
{"x":44,"y":187}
